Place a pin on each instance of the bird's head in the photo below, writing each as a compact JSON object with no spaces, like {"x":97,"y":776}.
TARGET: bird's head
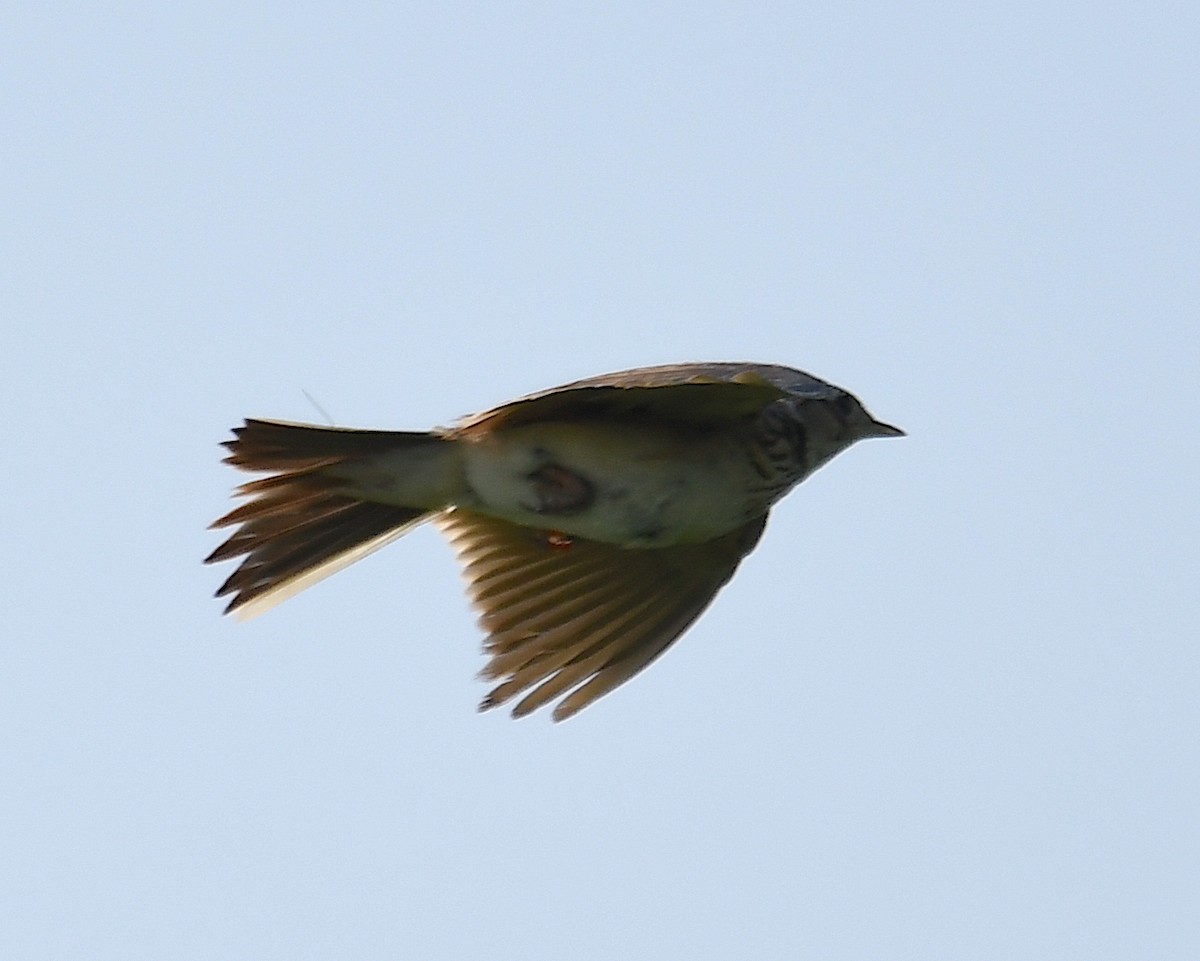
{"x":855,"y":423}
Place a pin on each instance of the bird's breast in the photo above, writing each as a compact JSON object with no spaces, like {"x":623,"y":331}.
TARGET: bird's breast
{"x":621,"y":483}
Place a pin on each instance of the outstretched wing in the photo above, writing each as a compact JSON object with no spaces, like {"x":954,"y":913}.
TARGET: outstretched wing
{"x":576,"y":618}
{"x":687,"y":393}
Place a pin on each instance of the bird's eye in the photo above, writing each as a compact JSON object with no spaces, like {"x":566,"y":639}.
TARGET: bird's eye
{"x":844,"y":405}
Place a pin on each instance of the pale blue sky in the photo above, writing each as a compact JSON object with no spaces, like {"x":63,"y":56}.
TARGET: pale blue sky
{"x":948,"y":708}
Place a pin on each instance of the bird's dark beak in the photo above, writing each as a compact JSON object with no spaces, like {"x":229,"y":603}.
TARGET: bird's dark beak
{"x":883,"y":430}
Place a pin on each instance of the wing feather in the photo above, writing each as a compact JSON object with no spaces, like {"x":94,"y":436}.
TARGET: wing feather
{"x":579,"y":620}
{"x":689,"y":393}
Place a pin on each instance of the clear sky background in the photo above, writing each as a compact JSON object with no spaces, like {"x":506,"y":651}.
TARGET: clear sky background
{"x":948,"y":708}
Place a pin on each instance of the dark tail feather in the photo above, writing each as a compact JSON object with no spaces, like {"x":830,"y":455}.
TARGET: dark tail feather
{"x":299,"y":525}
{"x":275,"y":445}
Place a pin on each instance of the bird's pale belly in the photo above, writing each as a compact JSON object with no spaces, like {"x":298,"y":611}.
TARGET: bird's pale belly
{"x":619,"y":483}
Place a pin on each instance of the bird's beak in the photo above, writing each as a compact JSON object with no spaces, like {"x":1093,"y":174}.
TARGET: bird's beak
{"x":883,"y":430}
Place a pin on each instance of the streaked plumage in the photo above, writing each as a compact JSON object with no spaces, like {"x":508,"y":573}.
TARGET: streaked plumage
{"x":594,"y":522}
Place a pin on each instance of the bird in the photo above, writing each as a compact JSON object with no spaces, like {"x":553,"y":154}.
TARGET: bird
{"x":594,"y":522}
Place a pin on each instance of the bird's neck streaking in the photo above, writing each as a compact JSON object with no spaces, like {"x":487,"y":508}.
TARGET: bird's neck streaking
{"x":794,"y":437}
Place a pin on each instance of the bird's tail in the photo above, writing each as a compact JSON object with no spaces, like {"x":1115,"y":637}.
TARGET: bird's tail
{"x":304,"y":521}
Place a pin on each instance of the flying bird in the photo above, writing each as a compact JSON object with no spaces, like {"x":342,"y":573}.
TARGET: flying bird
{"x":594,"y":522}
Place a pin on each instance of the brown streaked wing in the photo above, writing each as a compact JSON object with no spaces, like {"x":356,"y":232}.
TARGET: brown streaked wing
{"x":577,"y":621}
{"x":691,"y":393}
